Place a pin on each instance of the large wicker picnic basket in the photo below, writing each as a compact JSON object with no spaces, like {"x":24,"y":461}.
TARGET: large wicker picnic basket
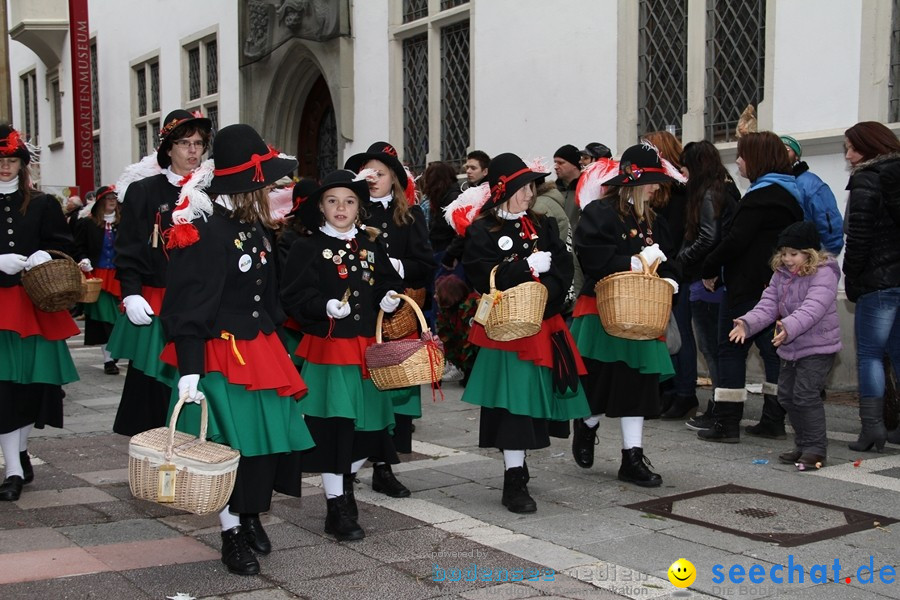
{"x":403,"y":363}
{"x":517,"y":312}
{"x":634,"y":306}
{"x":204,"y":472}
{"x":54,"y":285}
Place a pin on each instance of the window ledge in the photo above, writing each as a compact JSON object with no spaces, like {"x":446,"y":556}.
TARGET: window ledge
{"x":56,"y":145}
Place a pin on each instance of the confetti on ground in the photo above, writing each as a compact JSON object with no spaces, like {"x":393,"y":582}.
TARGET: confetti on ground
{"x":760,"y":461}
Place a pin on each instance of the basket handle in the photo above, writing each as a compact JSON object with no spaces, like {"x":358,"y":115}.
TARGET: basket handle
{"x":649,"y":269}
{"x":60,"y":254}
{"x":380,"y":318}
{"x":204,"y":415}
{"x":493,"y":279}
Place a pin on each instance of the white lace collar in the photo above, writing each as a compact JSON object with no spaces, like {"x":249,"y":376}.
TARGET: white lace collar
{"x":327,"y":229}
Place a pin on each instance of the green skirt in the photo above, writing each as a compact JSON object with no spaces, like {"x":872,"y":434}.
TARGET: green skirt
{"x":291,"y":339}
{"x":142,"y":344}
{"x":341,"y":391}
{"x":407,"y":401}
{"x":500,"y":379}
{"x":253,"y":422}
{"x":645,"y":356}
{"x":34,"y":359}
{"x":105,"y":309}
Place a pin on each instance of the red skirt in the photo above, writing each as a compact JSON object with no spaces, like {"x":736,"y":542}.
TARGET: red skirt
{"x":335,"y":351}
{"x":110,"y":284}
{"x":536,"y":348}
{"x":587,"y":305}
{"x":266,"y":364}
{"x":19,"y":314}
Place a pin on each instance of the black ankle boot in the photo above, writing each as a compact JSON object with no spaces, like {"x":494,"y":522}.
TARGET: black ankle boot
{"x":27,"y":469}
{"x":681,"y":407}
{"x":636,"y":469}
{"x":11,"y":488}
{"x":383,"y":481}
{"x":236,"y":553}
{"x":583,"y":440}
{"x":724,"y":432}
{"x":790,"y":458}
{"x":515,"y":492}
{"x":256,"y":536}
{"x":339,"y":523}
{"x":352,"y":510}
{"x":873,"y":432}
{"x":772,"y":430}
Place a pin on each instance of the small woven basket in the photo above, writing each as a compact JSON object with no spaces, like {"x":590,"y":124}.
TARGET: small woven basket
{"x":404,"y":363}
{"x":54,"y":285}
{"x":519,"y":311}
{"x":204,"y":472}
{"x":404,"y":322}
{"x":90,"y":289}
{"x":634,"y":306}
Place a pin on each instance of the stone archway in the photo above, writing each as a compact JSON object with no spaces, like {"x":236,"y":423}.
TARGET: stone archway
{"x":317,"y":143}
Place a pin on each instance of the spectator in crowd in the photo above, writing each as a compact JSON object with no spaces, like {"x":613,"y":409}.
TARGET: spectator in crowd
{"x":477,"y":164}
{"x":567,"y":164}
{"x":592,"y":152}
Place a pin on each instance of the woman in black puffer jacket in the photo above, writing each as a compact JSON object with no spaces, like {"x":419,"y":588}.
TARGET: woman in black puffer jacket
{"x":872,"y":267}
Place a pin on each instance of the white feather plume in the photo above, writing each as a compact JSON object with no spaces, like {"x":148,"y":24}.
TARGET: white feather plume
{"x":670,"y":169}
{"x":146,"y":167}
{"x":193,"y":201}
{"x":86,"y":210}
{"x":592,"y":180}
{"x":368,"y":174}
{"x":460,"y":213}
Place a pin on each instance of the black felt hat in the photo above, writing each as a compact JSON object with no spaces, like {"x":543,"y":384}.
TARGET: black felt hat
{"x":308,"y":211}
{"x":641,"y":164}
{"x":381,"y":151}
{"x":244,"y":162}
{"x":12,"y":145}
{"x":508,"y":173}
{"x":800,"y":236}
{"x":174,"y":120}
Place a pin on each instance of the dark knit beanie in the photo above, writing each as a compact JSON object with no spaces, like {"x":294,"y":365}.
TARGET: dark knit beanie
{"x":569,"y":153}
{"x":800,"y":236}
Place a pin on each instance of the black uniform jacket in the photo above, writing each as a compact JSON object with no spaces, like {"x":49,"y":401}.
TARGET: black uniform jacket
{"x":490,"y":243}
{"x":409,"y":243}
{"x":224,"y":282}
{"x":42,"y":227}
{"x":89,"y":239}
{"x":605,"y":242}
{"x":138,"y":261}
{"x":321,"y":268}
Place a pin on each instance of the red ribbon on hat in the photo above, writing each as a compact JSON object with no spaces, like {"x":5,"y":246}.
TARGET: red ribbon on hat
{"x":255,"y":161}
{"x":500,"y":186}
{"x":633,"y":173}
{"x":11,"y":143}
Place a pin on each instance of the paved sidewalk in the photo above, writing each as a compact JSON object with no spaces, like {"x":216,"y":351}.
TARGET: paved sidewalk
{"x":76,"y":532}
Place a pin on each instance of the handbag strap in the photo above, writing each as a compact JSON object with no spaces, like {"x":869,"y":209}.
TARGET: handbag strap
{"x":204,"y":416}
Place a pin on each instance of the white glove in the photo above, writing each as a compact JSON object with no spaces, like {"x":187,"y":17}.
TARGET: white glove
{"x":12,"y":263}
{"x":38,"y":258}
{"x":539,"y":262}
{"x":398,"y":266}
{"x":651,"y":253}
{"x":673,"y":283}
{"x":389,"y":303}
{"x":335,"y":308}
{"x":137,"y":310}
{"x":85,"y":265}
{"x":187,"y":385}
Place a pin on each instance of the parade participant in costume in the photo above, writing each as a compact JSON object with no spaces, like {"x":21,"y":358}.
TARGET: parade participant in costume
{"x":35,"y":358}
{"x":220,"y":313}
{"x":95,"y":238}
{"x":335,"y":281}
{"x":148,"y":197}
{"x":623,"y":374}
{"x":524,"y":398}
{"x":393,"y":210}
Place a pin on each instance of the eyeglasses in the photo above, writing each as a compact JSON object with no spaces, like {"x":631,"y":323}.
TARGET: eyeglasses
{"x":185,"y":144}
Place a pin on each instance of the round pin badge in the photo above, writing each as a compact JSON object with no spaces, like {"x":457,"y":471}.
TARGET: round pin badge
{"x":327,"y":253}
{"x":336,"y":259}
{"x":505,"y":242}
{"x":244,"y":263}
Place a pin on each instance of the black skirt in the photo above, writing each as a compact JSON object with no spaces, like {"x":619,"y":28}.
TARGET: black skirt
{"x":34,"y":403}
{"x":144,"y":404}
{"x":617,"y":390}
{"x":338,"y":446}
{"x":259,"y":476}
{"x":96,"y":333}
{"x":501,"y":429}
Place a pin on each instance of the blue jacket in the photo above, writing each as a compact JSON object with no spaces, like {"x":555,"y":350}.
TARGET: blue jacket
{"x":820,"y":207}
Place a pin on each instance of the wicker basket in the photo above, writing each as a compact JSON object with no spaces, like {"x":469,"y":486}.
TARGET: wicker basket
{"x":90,"y":289}
{"x":404,"y":363}
{"x":204,"y":472}
{"x":54,"y":285}
{"x":404,"y":322}
{"x":518,"y":312}
{"x":634,"y":306}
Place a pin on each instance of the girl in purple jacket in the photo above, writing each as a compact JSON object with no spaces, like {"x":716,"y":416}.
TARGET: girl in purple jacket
{"x":801,"y":300}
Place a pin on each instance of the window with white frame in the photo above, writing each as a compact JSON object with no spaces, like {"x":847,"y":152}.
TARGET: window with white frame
{"x":145,"y":106}
{"x":434,"y":56}
{"x":662,"y":64}
{"x":735,"y":63}
{"x":29,"y":123}
{"x":54,"y":96}
{"x":201,"y":77}
{"x":894,"y":78}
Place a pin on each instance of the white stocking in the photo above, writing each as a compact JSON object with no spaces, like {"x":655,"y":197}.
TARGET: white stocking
{"x":107,"y":357}
{"x":513,"y":458}
{"x":333,"y":484}
{"x":24,"y":432}
{"x":355,"y":467}
{"x":228,"y":519}
{"x":9,"y":443}
{"x":632,"y":432}
{"x":592,"y":421}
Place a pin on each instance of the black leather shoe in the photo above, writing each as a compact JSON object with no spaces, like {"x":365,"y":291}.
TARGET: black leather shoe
{"x":515,"y":492}
{"x":11,"y":488}
{"x":789,"y":458}
{"x":352,"y":509}
{"x":257,"y":538}
{"x":110,"y":368}
{"x":339,"y":523}
{"x":636,"y":469}
{"x":721,"y":432}
{"x":767,"y":429}
{"x":384,"y":481}
{"x":583,"y":440}
{"x":681,"y":407}
{"x":236,"y":553}
{"x":26,"y":466}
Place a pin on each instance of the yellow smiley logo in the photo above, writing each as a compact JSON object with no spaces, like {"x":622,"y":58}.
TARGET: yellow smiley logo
{"x":682,"y":573}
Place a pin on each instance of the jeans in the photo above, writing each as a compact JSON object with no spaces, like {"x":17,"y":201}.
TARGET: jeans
{"x":685,"y":360}
{"x":705,"y":316}
{"x":733,"y":357}
{"x":877,"y":332}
